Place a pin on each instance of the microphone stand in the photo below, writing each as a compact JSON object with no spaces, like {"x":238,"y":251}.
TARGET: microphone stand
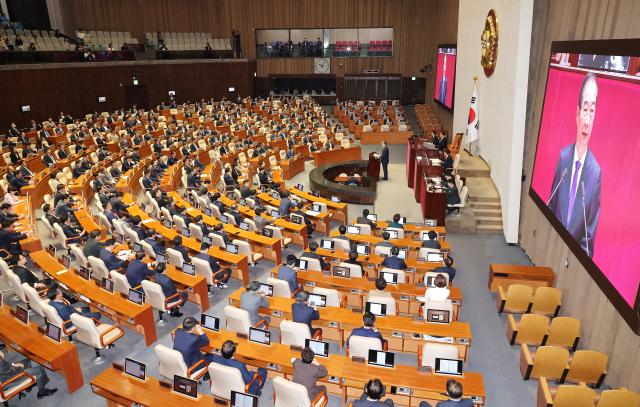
{"x":584,"y":215}
{"x":557,"y":186}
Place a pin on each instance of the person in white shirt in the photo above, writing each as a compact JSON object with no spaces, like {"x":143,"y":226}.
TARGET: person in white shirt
{"x":438,"y":293}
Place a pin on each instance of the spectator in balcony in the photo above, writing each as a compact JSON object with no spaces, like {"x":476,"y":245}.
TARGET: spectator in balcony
{"x":3,"y":44}
{"x":110,"y":47}
{"x":32,"y":46}
{"x":18,"y":44}
{"x":207,"y":47}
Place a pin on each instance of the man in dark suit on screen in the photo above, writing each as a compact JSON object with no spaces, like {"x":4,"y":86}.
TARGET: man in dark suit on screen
{"x":442,"y":89}
{"x":575,"y":193}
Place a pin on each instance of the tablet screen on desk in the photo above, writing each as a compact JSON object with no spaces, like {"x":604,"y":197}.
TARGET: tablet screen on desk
{"x":353,"y":230}
{"x":327,"y":244}
{"x":362,"y":249}
{"x":381,"y":358}
{"x":302,"y":264}
{"x":119,"y":238}
{"x":318,"y":300}
{"x":393,"y":234}
{"x":339,"y":271}
{"x":335,"y":199}
{"x":260,"y":336}
{"x":106,"y":284}
{"x":224,"y":219}
{"x":448,"y":366}
{"x":188,"y":268}
{"x":243,"y":399}
{"x":275,"y":195}
{"x":207,"y":240}
{"x":22,"y":314}
{"x":266,"y":289}
{"x":300,"y":187}
{"x":53,"y":332}
{"x":372,"y":217}
{"x":275,"y":214}
{"x":267,"y":232}
{"x":207,"y":211}
{"x":403,"y":220}
{"x":137,"y":247}
{"x":210,"y":322}
{"x":318,"y":347}
{"x":186,"y":232}
{"x":297,"y":219}
{"x":438,"y":316}
{"x":84,"y":272}
{"x":316,"y":208}
{"x":377,"y":309}
{"x":160,"y":258}
{"x":66,"y":261}
{"x":167,"y":223}
{"x":389,"y":277}
{"x":185,"y":386}
{"x":136,"y":296}
{"x":244,"y":226}
{"x":402,"y":253}
{"x":232,"y":248}
{"x":51,"y":249}
{"x":135,"y":369}
{"x":435,"y":257}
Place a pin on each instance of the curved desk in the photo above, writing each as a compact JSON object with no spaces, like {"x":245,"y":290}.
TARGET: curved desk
{"x":322,"y":178}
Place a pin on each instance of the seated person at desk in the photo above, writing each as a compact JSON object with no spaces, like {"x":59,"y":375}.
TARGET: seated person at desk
{"x":259,"y":220}
{"x":177,"y":245}
{"x":366,"y":221}
{"x":137,"y":270}
{"x":353,"y":259}
{"x":368,"y":330}
{"x":299,"y":210}
{"x":438,"y":293}
{"x":222,"y":276}
{"x":219,"y":230}
{"x":287,"y":272}
{"x":395,"y":223}
{"x":385,"y":240}
{"x":48,"y":214}
{"x":8,"y":370}
{"x":169,"y":289}
{"x":374,"y":390}
{"x":110,"y":260}
{"x":379,"y":292}
{"x":188,"y":340}
{"x":71,"y":233}
{"x":26,"y":275}
{"x":92,"y":246}
{"x":307,"y":370}
{"x":303,"y":313}
{"x":285,"y":203}
{"x":245,"y":191}
{"x":64,"y":207}
{"x":313,"y":246}
{"x":432,"y":242}
{"x":233,"y":211}
{"x":343,"y":230}
{"x":225,"y":358}
{"x":251,"y":301}
{"x":14,"y":178}
{"x":6,"y":216}
{"x":57,"y":301}
{"x":454,"y":391}
{"x":10,"y":241}
{"x":447,"y":164}
{"x":453,"y":198}
{"x":447,"y":268}
{"x":393,"y":261}
{"x":158,"y":245}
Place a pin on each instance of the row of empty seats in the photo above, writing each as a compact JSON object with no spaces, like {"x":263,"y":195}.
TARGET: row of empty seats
{"x":189,"y":41}
{"x":100,"y":40}
{"x":44,"y":40}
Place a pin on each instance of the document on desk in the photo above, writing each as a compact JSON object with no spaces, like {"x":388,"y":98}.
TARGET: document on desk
{"x":144,"y":222}
{"x":312,"y":213}
{"x":61,"y":272}
{"x":440,"y":339}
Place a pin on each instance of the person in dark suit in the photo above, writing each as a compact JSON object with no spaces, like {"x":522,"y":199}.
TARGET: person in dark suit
{"x":188,"y":340}
{"x":447,"y":268}
{"x":251,"y":301}
{"x":56,"y":300}
{"x":447,"y":164}
{"x":368,"y":330}
{"x":137,"y":270}
{"x":177,"y":245}
{"x":454,"y":391}
{"x":287,"y":273}
{"x":453,"y":197}
{"x":393,"y":261}
{"x":575,"y":191}
{"x":110,"y":260}
{"x":15,"y":179}
{"x":303,"y":313}
{"x":384,"y":160}
{"x":306,"y":371}
{"x":169,"y":289}
{"x":225,"y":358}
{"x":364,"y":220}
{"x":374,"y":390}
{"x":313,"y":246}
{"x":444,"y":141}
{"x":342,"y":229}
{"x":221,"y":276}
{"x":93,"y":245}
{"x":442,"y":86}
{"x":433,"y":242}
{"x":10,"y":240}
{"x":6,"y":217}
{"x":72,"y":234}
{"x":9,"y":370}
{"x":48,"y":159}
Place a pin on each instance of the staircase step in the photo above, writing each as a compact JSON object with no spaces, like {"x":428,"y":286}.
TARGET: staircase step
{"x":469,"y":173}
{"x":485,"y":220}
{"x":483,"y":205}
{"x":483,"y":199}
{"x":488,"y":229}
{"x":487,"y":213}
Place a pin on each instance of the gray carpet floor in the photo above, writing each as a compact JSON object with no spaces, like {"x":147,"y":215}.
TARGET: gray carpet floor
{"x":490,"y":352}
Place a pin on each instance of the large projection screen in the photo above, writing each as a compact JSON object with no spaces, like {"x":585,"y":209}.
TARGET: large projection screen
{"x":445,"y":75}
{"x":586,"y":176}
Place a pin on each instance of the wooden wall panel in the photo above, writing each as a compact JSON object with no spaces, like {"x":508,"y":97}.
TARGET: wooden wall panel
{"x":74,"y":88}
{"x":602,"y":327}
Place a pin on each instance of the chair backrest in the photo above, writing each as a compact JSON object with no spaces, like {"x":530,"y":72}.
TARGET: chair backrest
{"x":390,"y":302}
{"x":224,"y":380}
{"x":354,"y":270}
{"x":431,"y":351}
{"x":332,"y":295}
{"x":179,"y":223}
{"x":87,"y":332}
{"x":445,"y":305}
{"x":77,"y":251}
{"x":382,"y":250}
{"x":105,"y":222}
{"x":288,"y":393}
{"x":175,"y":257}
{"x":280,"y":287}
{"x":564,"y":331}
{"x":294,"y":333}
{"x":574,"y":396}
{"x":518,"y":298}
{"x":546,"y":300}
{"x":14,"y":283}
{"x":153,"y":295}
{"x":120,"y":282}
{"x":532,"y":328}
{"x":365,"y":229}
{"x":35,"y":302}
{"x":341,"y":244}
{"x":359,"y":346}
{"x":98,"y":267}
{"x":550,"y":362}
{"x":587,"y":366}
{"x":230,"y":219}
{"x":424,"y":251}
{"x":170,"y":362}
{"x":148,"y":249}
{"x":203,"y":268}
{"x":399,"y":231}
{"x":402,"y":276}
{"x":132,"y":234}
{"x":217,"y":240}
{"x":52,"y":315}
{"x":312,"y":264}
{"x":59,"y":236}
{"x":238,"y":320}
{"x":619,"y":397}
{"x":196,"y":231}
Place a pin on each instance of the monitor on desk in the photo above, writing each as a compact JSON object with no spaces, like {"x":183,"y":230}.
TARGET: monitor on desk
{"x":136,"y":296}
{"x":53,"y":332}
{"x":186,"y":232}
{"x":335,"y":199}
{"x":135,"y":369}
{"x":84,"y":273}
{"x":224,"y":219}
{"x":167,"y":223}
{"x":431,"y":222}
{"x":51,"y":249}
{"x":160,"y":258}
{"x":232,"y":248}
{"x":137,"y":247}
{"x":303,"y":264}
{"x":319,"y":348}
{"x":184,"y":386}
{"x":448,"y":366}
{"x":207,"y":211}
{"x":438,"y":316}
{"x":297,"y":219}
{"x":377,"y":309}
{"x":327,"y":244}
{"x":244,"y":226}
{"x":66,"y":261}
{"x":243,"y":399}
{"x":353,"y":230}
{"x":372,"y":217}
{"x":275,"y":195}
{"x":188,"y":268}
{"x":207,"y":239}
{"x":261,"y":336}
{"x":389,"y":277}
{"x":402,"y":253}
{"x":210,"y":322}
{"x":119,"y":238}
{"x":266,"y":289}
{"x":274,"y":214}
{"x":381,"y":358}
{"x":231,"y":196}
{"x":267,"y":232}
{"x":106,"y":284}
{"x":243,"y":202}
{"x":403,"y":220}
{"x":393,"y":234}
{"x":300,"y":187}
{"x":339,"y":271}
{"x":317,"y":300}
{"x":362,"y":249}
{"x":316,"y":208}
{"x":22,"y":314}
{"x":315,"y":193}
{"x":435,"y":257}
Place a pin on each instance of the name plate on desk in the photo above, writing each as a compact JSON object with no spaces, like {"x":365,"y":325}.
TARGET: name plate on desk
{"x":240,"y":335}
{"x":455,"y":302}
{"x":276,"y":313}
{"x":424,"y":369}
{"x":333,"y":324}
{"x":357,"y":359}
{"x":273,"y":366}
{"x":404,"y":391}
{"x":295,"y":347}
{"x":334,"y":379}
{"x":405,"y":297}
{"x":463,"y":341}
{"x":396,"y":334}
{"x":356,"y":291}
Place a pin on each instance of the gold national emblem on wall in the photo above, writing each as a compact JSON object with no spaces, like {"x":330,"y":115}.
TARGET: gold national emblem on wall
{"x":489,"y":43}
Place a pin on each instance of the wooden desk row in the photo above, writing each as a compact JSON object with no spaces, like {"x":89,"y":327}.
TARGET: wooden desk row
{"x":321,"y":220}
{"x":338,"y":210}
{"x":336,"y":156}
{"x":413,"y":245}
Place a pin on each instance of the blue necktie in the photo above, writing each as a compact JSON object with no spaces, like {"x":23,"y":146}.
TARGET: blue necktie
{"x":572,"y":192}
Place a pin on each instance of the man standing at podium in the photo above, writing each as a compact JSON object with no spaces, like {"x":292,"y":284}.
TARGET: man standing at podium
{"x":384,"y":160}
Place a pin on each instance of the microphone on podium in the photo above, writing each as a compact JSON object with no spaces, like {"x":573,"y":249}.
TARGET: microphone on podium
{"x":564,"y":173}
{"x":584,"y":215}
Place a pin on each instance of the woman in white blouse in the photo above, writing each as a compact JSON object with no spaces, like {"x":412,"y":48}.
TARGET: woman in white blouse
{"x":12,"y":196}
{"x":438,"y":293}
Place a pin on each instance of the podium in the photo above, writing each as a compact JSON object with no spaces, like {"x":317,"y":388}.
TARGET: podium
{"x":373,"y":170}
